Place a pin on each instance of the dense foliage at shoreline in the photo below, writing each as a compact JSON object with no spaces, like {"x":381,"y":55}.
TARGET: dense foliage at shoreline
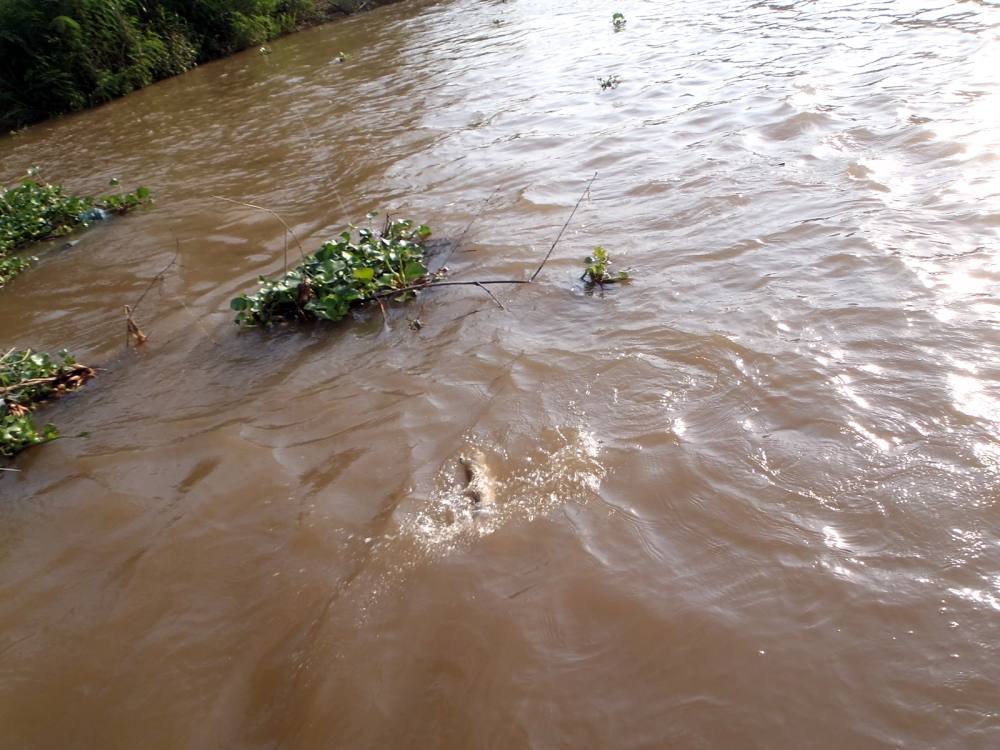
{"x":63,"y":55}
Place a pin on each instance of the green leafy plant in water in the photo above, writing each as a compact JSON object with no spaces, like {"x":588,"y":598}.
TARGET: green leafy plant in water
{"x":35,"y":211}
{"x":27,"y":378}
{"x":343,"y":273}
{"x":618,"y":21}
{"x":611,"y":82}
{"x":597,"y":272}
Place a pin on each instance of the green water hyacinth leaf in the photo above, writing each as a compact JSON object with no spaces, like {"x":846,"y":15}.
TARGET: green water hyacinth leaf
{"x":364,"y":274}
{"x":414,"y":270}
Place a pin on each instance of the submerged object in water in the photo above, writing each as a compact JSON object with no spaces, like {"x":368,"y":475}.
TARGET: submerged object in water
{"x":94,"y":214}
{"x":478,"y":481}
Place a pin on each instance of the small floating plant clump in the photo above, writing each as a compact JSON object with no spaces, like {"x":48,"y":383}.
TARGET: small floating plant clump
{"x":26,"y":379}
{"x":611,"y":82}
{"x":618,"y":21}
{"x":598,"y":272}
{"x":342,"y":274}
{"x":35,"y":211}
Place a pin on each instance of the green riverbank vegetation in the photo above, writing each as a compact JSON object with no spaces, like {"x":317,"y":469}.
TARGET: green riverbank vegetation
{"x":34,"y":211}
{"x":60,"y":56}
{"x":28,"y":378}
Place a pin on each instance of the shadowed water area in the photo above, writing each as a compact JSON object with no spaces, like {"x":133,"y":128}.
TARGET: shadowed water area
{"x":748,"y":501}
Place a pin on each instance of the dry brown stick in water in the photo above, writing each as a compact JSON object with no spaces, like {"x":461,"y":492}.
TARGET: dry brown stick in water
{"x":461,"y":237}
{"x":385,"y":318}
{"x":75,"y":378}
{"x":288,"y":229}
{"x":132,"y":330}
{"x":28,"y":384}
{"x":481,"y":283}
{"x":564,"y":226}
{"x":158,"y":276}
{"x":433,"y":284}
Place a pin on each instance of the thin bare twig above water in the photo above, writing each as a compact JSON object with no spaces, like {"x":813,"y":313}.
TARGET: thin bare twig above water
{"x":481,"y":283}
{"x":492,"y":296}
{"x":432,"y":284}
{"x":275,"y":214}
{"x":461,"y":237}
{"x":132,"y":330}
{"x":564,"y":226}
{"x":160,"y":275}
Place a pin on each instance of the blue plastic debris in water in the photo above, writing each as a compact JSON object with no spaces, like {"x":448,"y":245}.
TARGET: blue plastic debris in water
{"x":94,"y":214}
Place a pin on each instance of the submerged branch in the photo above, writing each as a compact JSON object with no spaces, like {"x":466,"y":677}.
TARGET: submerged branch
{"x":492,"y":296}
{"x":432,"y":284}
{"x":71,"y":380}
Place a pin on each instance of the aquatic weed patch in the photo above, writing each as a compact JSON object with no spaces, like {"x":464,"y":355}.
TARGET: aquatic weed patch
{"x":611,"y":82}
{"x":28,"y":378}
{"x":345,"y":272}
{"x":34,"y":211}
{"x":362,"y":265}
{"x":598,"y":271}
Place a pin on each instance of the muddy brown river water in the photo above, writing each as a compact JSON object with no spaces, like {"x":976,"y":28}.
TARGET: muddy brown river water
{"x":749,"y":501}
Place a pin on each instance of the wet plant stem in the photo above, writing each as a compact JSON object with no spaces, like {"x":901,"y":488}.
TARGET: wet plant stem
{"x":483,"y":282}
{"x":288,"y":229}
{"x":564,"y":226}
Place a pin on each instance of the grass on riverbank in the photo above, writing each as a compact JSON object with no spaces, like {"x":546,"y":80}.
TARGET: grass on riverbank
{"x":35,"y":211}
{"x":60,"y":56}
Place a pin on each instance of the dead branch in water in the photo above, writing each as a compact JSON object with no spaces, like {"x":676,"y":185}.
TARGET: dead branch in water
{"x":160,"y":275}
{"x":564,"y":226}
{"x":430,"y":284}
{"x":461,"y":237}
{"x":482,"y":283}
{"x":492,"y":296}
{"x":62,"y":382}
{"x":288,"y":229}
{"x":132,"y":330}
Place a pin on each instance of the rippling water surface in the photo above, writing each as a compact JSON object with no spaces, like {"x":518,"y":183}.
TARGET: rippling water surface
{"x":748,"y":501}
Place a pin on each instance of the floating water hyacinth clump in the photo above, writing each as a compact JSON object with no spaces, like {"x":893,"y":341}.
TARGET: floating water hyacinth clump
{"x":598,"y":273}
{"x":350,"y":270}
{"x":34,"y":211}
{"x":28,"y":378}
